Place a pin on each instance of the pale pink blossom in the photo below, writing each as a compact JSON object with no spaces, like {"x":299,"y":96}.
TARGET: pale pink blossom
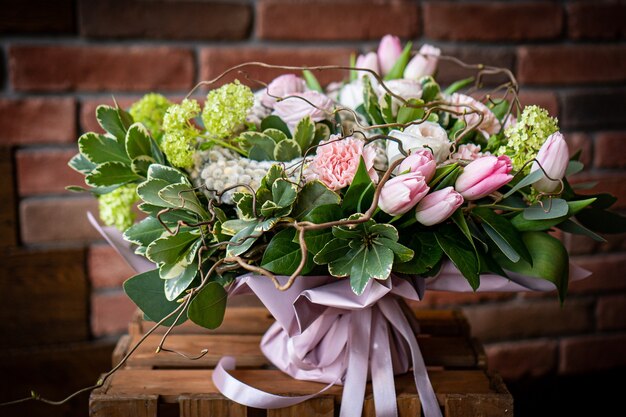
{"x":423,"y":63}
{"x":389,"y":51}
{"x":484,"y":176}
{"x":401,"y":193}
{"x":299,"y":105}
{"x":336,"y":162}
{"x":438,"y":206}
{"x":467,"y":152}
{"x":282,"y":86}
{"x":466,"y":104}
{"x":553,"y":158}
{"x":368,"y":61}
{"x":421,"y":161}
{"x":510,"y":121}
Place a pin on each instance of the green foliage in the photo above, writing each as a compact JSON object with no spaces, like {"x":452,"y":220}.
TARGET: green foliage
{"x":274,"y":142}
{"x":208,"y":306}
{"x":397,"y":70}
{"x":360,"y":193}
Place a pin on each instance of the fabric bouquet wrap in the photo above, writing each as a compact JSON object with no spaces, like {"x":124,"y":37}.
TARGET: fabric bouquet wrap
{"x":335,"y":206}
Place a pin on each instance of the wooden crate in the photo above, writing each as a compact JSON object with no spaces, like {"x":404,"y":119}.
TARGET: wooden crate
{"x":443,"y":340}
{"x":191,"y":393}
{"x":166,"y":384}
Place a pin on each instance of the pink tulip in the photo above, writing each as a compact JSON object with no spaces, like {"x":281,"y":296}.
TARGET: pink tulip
{"x":420,"y":161}
{"x":400,"y":194}
{"x":282,"y":86}
{"x":389,"y":51}
{"x":438,"y":206}
{"x":484,"y":176}
{"x":368,"y":61}
{"x":553,"y":158}
{"x":294,"y":109}
{"x":424,"y":63}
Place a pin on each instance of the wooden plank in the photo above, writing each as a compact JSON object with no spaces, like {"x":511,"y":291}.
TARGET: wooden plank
{"x":322,"y":406}
{"x":203,"y":405}
{"x":122,"y":347}
{"x":256,"y":320}
{"x":408,"y":406}
{"x":8,"y":208}
{"x":44,"y":296}
{"x":448,"y":352}
{"x":123,"y":406}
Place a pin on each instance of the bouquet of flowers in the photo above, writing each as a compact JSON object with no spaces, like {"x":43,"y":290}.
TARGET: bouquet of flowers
{"x":382,"y":184}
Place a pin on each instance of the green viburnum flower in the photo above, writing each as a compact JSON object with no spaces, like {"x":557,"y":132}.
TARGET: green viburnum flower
{"x":150,"y":111}
{"x":226,"y":108}
{"x":525,"y":138}
{"x":116,"y":207}
{"x":180,"y":135}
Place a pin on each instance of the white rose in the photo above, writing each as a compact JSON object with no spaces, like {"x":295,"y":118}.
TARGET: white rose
{"x":351,"y":95}
{"x":407,"y":89}
{"x":424,"y":135}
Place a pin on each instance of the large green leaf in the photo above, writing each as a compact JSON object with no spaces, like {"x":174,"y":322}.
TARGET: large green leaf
{"x":602,"y":221}
{"x":460,"y":252}
{"x":333,"y":250}
{"x":168,"y":174}
{"x":149,"y":192}
{"x":109,"y":119}
{"x":317,"y":239}
{"x":243,"y":239}
{"x":111,"y":173}
{"x":360,"y":192}
{"x":284,"y":193}
{"x":571,"y":226}
{"x":182,"y":196}
{"x":531,"y":178}
{"x":502,"y":232}
{"x":374,"y":262}
{"x":553,"y":209}
{"x":147,"y":292}
{"x":525,"y":225}
{"x":550,"y":261}
{"x":171,"y":248}
{"x":81,"y":164}
{"x":304,"y":133}
{"x":401,"y":252}
{"x":100,"y":149}
{"x":275,"y":122}
{"x":138,"y":141}
{"x":275,"y":134}
{"x":261,"y":146}
{"x":282,"y":256}
{"x":287,"y":150}
{"x":427,"y":254}
{"x":174,"y":287}
{"x":245,"y":207}
{"x":208,"y":306}
{"x":314,"y":194}
{"x":145,"y":232}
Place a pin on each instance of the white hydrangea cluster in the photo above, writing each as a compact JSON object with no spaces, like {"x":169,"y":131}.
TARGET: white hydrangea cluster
{"x":219,"y":168}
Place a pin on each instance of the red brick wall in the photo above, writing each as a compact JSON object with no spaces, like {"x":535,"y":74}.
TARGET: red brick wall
{"x":58,"y":59}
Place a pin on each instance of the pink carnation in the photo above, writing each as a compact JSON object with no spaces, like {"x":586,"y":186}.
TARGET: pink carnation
{"x":467,"y":152}
{"x":336,"y":162}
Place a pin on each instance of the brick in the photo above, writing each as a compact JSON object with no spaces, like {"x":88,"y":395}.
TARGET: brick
{"x":596,"y":20}
{"x":578,"y":141}
{"x":612,"y":183}
{"x":106,"y":268}
{"x":336,"y":20}
{"x":164,"y":19}
{"x":582,"y":245}
{"x":8,"y":209}
{"x":608,"y":154}
{"x":37,"y":120}
{"x":608,"y":273}
{"x":45,"y":171}
{"x":571,"y":64}
{"x":98,"y":68}
{"x":591,"y":353}
{"x":110,"y":313}
{"x":520,"y":319}
{"x":611,"y":312}
{"x":445,"y":298}
{"x":448,"y":71}
{"x":57,"y":220}
{"x":37,"y":16}
{"x":45,"y":297}
{"x":213,"y":61}
{"x":528,"y":358}
{"x":490,"y":21}
{"x":77,"y":365}
{"x":545,"y":99}
{"x":591,"y":109}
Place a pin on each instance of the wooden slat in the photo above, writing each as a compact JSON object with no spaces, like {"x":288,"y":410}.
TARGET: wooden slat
{"x":256,"y":320}
{"x":322,"y":406}
{"x":204,"y":405}
{"x":448,"y":352}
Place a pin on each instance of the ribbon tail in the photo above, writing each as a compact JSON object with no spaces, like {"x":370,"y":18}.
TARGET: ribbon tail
{"x":356,"y":376}
{"x":393,"y":312}
{"x":383,"y":383}
{"x":242,"y":393}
